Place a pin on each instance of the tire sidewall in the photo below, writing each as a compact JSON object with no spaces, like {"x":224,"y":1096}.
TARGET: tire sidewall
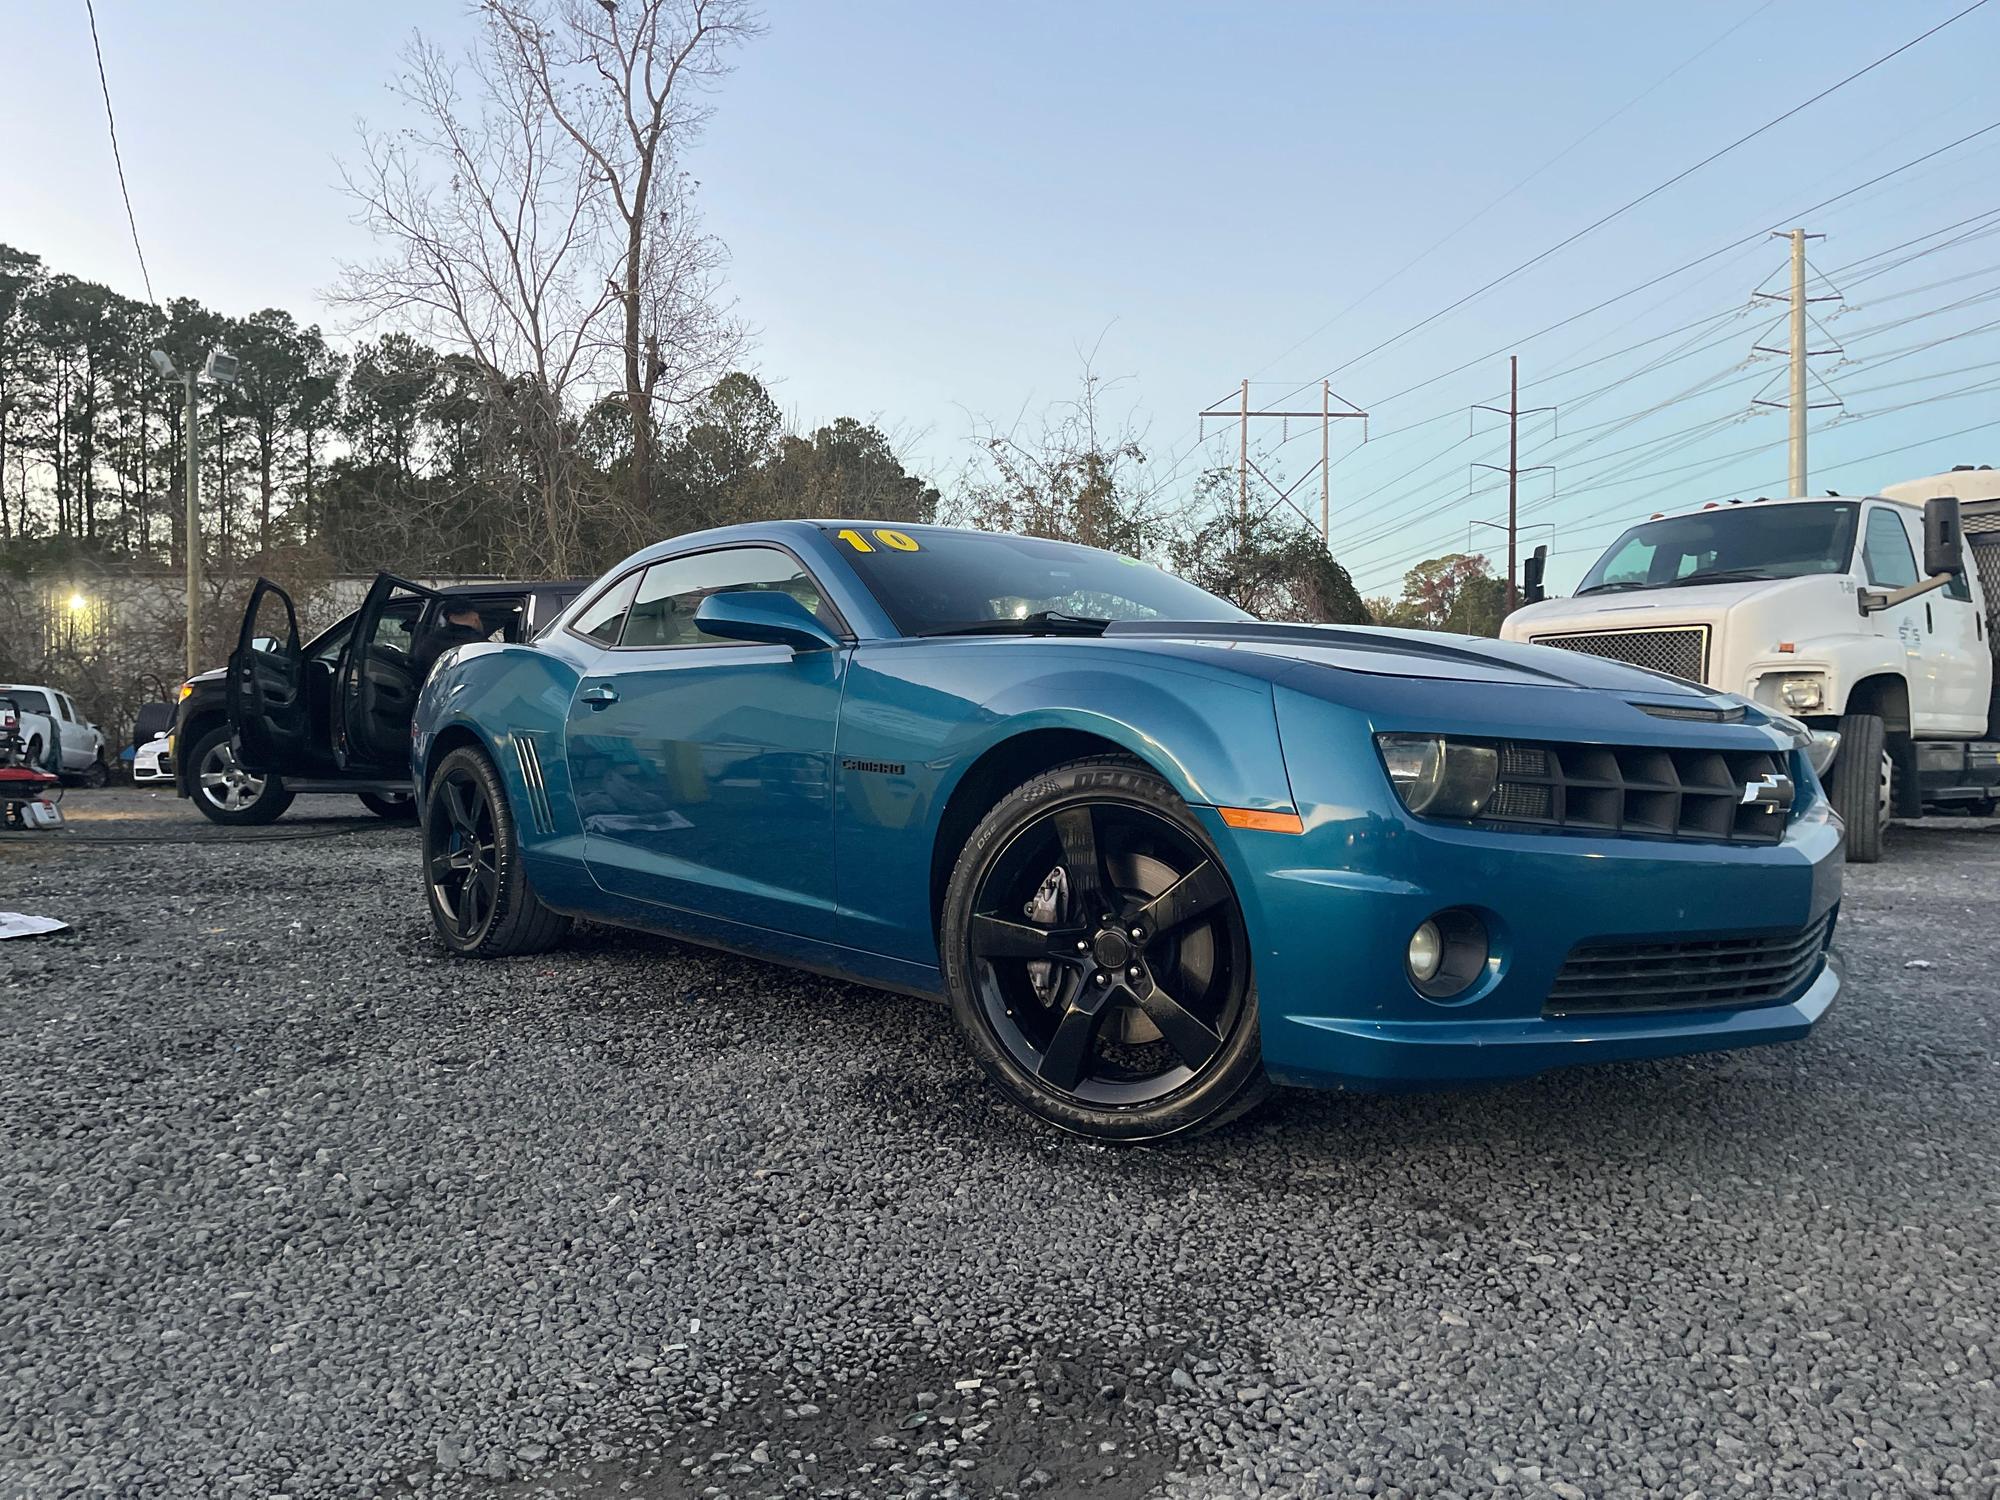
{"x":1206,"y":1100}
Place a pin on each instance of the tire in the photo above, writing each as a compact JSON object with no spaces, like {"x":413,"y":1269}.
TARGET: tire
{"x":1860,"y":788}
{"x":98,"y":775}
{"x":35,"y":753}
{"x":223,"y":792}
{"x":397,"y":807}
{"x":1133,"y":1029}
{"x":475,"y":881}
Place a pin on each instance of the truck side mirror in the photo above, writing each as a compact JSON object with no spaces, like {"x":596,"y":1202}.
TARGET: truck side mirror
{"x":1531,"y":575}
{"x":1944,"y":537}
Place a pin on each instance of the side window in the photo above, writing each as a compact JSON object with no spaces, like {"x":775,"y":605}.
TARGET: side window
{"x":663,"y":611}
{"x":394,"y":626}
{"x":1886,"y":550}
{"x":603,"y":619}
{"x":68,"y":712}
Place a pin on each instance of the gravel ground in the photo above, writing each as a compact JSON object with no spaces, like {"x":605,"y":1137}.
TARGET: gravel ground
{"x":294,"y":1206}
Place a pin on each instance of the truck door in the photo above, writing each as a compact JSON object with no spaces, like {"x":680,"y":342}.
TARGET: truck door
{"x":262,"y":691}
{"x":376,"y":684}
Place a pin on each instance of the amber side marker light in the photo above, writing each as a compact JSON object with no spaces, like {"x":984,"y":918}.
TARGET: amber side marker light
{"x":1267,"y":822}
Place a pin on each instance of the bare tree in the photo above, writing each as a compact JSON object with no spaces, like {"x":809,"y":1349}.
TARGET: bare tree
{"x":537,"y":221}
{"x":626,"y":81}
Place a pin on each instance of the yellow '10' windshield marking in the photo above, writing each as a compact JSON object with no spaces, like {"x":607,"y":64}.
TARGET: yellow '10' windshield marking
{"x":895,"y":541}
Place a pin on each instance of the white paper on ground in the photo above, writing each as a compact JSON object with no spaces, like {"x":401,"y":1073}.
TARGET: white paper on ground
{"x":15,"y":924}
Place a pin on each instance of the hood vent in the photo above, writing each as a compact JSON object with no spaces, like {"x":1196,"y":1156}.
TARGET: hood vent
{"x":1731,"y":715}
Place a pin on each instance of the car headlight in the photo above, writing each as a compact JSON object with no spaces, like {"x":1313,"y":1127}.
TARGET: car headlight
{"x":1439,"y":777}
{"x":1803,"y":694}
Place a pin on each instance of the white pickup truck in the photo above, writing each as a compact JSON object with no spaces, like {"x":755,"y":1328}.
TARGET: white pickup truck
{"x":53,"y":727}
{"x":1866,"y":617}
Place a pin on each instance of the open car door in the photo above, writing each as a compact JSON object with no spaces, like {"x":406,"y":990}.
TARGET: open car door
{"x":263,"y":691}
{"x":375,"y":689}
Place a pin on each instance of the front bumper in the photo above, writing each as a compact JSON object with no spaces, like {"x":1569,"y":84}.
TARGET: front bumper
{"x":1331,"y":911}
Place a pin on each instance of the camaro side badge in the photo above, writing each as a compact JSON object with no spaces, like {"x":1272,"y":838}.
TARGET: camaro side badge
{"x":1768,"y":790}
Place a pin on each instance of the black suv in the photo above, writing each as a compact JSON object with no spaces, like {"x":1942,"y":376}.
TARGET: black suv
{"x":332,"y":715}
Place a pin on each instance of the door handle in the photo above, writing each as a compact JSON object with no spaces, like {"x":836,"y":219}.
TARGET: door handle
{"x":601,"y":696}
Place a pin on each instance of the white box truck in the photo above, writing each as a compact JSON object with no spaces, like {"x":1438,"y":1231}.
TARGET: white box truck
{"x":1866,"y":617}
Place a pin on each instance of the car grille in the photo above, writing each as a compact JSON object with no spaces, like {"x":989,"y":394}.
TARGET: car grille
{"x":1618,"y":978}
{"x":1678,"y":653}
{"x":1667,"y":793}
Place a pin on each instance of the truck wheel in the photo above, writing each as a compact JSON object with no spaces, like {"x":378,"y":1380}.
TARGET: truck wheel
{"x":1862,"y":776}
{"x":98,"y":774}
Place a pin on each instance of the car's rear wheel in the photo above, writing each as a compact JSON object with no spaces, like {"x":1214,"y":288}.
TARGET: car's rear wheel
{"x":226,"y":793}
{"x":397,"y":807}
{"x":1097,"y":959}
{"x":475,"y":881}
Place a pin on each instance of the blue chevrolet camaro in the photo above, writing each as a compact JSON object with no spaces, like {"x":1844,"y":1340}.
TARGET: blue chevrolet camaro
{"x":1156,"y":855}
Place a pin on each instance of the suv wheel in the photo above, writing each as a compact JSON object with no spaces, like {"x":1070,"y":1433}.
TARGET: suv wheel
{"x":225,"y":792}
{"x":397,"y":807}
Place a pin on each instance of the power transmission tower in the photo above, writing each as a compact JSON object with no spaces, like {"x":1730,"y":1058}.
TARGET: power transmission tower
{"x":1327,"y":416}
{"x":1798,"y":403}
{"x":1513,"y":412}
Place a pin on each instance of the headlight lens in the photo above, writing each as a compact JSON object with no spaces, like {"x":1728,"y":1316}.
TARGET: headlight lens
{"x":1439,"y":777}
{"x":1803,"y":694}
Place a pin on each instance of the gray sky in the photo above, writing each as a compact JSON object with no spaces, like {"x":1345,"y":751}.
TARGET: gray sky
{"x":933,"y":210}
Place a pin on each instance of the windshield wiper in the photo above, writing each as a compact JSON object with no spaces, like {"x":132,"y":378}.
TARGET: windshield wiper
{"x":1722,"y":575}
{"x":1041,"y":622}
{"x":1609,"y":588}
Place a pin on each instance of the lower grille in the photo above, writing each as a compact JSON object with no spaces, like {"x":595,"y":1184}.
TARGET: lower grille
{"x":1618,"y":978}
{"x":1678,"y":653}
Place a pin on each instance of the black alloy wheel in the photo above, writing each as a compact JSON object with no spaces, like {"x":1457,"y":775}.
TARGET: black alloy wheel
{"x":463,"y":861}
{"x":475,"y":883}
{"x":1099,"y":960}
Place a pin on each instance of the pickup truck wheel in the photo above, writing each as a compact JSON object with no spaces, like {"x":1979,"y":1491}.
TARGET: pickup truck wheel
{"x":35,"y":752}
{"x":226,"y":793}
{"x":1863,"y":778}
{"x":1097,"y":961}
{"x":98,"y":774}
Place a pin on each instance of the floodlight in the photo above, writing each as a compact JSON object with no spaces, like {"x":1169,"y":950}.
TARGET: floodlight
{"x":221,"y":367}
{"x":163,"y":364}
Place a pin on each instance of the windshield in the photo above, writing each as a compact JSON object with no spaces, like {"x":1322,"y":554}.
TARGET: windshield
{"x":932,"y":580}
{"x":1728,"y":544}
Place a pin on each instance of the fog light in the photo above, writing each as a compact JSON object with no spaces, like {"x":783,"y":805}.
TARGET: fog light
{"x":1803,"y":694}
{"x":1448,"y":954}
{"x":1426,"y":952}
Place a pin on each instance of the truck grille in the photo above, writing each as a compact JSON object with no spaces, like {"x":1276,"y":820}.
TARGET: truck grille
{"x":1722,"y":796}
{"x":1678,"y":653}
{"x":1619,"y":978}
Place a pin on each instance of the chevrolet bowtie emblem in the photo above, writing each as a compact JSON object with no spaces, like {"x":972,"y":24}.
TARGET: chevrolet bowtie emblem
{"x":1769,"y":790}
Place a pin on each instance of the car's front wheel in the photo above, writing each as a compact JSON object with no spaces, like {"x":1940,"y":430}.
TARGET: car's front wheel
{"x":475,"y":882}
{"x":226,"y":793}
{"x":1097,"y":960}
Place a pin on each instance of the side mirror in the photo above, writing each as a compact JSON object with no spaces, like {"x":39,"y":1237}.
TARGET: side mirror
{"x":1944,"y":537}
{"x":1531,"y":575}
{"x":767,"y":616}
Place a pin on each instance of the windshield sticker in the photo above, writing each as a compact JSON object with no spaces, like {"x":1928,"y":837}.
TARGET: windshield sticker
{"x":895,"y":541}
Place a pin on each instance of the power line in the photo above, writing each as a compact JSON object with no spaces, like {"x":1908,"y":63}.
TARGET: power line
{"x":1654,"y":192}
{"x":112,"y":121}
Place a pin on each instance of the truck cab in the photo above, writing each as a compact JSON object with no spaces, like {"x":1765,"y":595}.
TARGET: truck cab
{"x":1862,"y":616}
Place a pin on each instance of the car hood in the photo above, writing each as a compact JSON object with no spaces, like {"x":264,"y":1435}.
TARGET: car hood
{"x":1417,"y":653}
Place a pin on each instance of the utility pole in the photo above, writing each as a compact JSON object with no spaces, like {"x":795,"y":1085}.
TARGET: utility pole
{"x":1798,"y":405}
{"x":1798,"y":446}
{"x":1513,"y":471}
{"x":191,"y":532}
{"x":1243,"y":413}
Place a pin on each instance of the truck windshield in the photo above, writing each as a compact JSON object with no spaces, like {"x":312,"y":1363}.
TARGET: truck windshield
{"x":1729,"y":544}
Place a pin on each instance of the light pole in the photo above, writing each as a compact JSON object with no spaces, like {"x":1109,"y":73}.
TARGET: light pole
{"x":219,"y":370}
